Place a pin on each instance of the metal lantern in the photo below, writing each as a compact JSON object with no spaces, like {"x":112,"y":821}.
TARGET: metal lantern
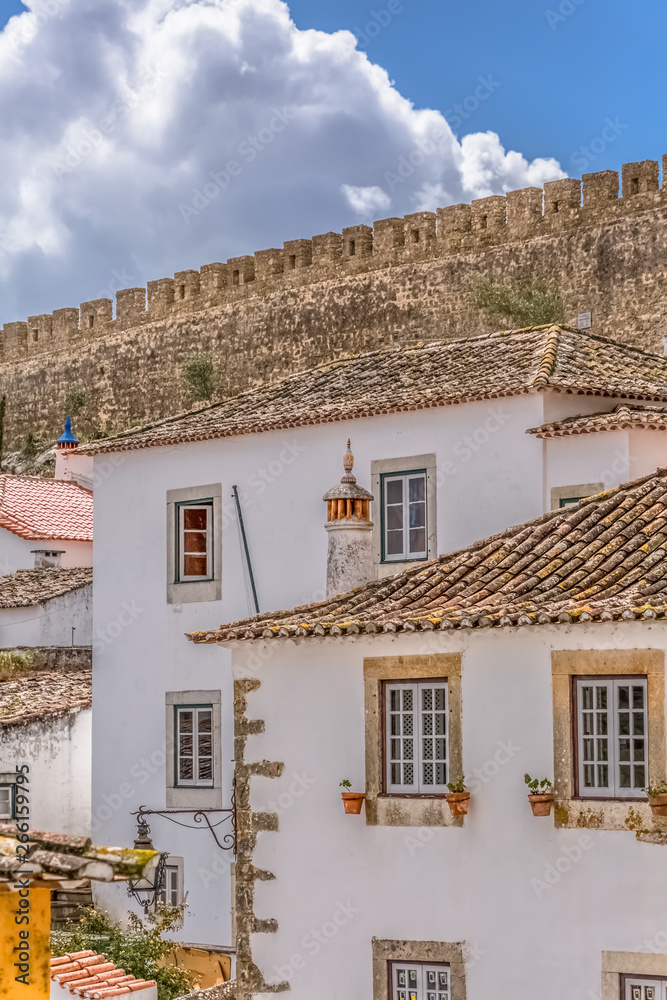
{"x":144,"y":890}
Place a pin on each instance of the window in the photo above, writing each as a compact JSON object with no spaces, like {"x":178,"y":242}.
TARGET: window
{"x":353,"y":248}
{"x":172,"y":892}
{"x":634,"y":185}
{"x":418,"y":981}
{"x":195,"y":536}
{"x":7,"y":802}
{"x":484,"y":222}
{"x":415,"y":236}
{"x":568,"y":496}
{"x":643,"y":988}
{"x":194,"y":745}
{"x":292,"y":262}
{"x":416,"y":738}
{"x":555,"y":207}
{"x":181,"y":291}
{"x":404,"y":527}
{"x":569,"y":501}
{"x":612,"y":737}
{"x":236,"y":278}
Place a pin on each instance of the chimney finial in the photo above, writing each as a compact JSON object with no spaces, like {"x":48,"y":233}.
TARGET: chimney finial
{"x":348,"y":464}
{"x":67,"y":441}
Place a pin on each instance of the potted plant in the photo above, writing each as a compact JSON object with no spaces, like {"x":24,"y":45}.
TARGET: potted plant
{"x":657,"y":798}
{"x":352,"y":801}
{"x":540,"y":795}
{"x":458,"y":797}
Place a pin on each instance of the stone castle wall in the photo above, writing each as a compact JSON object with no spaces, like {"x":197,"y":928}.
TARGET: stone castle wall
{"x":286,"y":309}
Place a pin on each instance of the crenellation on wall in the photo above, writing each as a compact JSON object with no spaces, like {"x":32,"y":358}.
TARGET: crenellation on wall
{"x":160,"y":297}
{"x":600,"y":190}
{"x":130,"y":307}
{"x":359,"y":289}
{"x":524,"y":211}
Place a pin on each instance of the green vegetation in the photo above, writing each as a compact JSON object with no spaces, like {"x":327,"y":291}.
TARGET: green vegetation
{"x":198,"y":374}
{"x":30,"y":447}
{"x":531,"y":303}
{"x":537,"y":786}
{"x":139,"y":948}
{"x":74,"y":402}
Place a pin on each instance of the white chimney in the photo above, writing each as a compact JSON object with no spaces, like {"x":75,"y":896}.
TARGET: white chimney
{"x":350,"y":550}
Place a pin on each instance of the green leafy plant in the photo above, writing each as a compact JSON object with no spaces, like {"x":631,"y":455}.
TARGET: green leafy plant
{"x":198,"y":374}
{"x":531,"y":303}
{"x":457,"y":786}
{"x":538,"y":786}
{"x":74,"y":402}
{"x":139,"y":947}
{"x":654,"y":790}
{"x":345,"y":784}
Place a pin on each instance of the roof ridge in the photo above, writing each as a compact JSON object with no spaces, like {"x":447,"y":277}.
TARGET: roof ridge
{"x":549,"y":357}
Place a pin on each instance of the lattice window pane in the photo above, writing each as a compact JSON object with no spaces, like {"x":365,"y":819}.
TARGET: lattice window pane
{"x":420,"y":982}
{"x":416,"y":737}
{"x":404,"y":515}
{"x":612,"y":742}
{"x":645,"y":989}
{"x":194,"y":746}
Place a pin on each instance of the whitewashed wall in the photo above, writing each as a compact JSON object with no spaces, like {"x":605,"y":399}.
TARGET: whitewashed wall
{"x":486,"y":883}
{"x":58,"y":752}
{"x":490,"y":474}
{"x":50,"y":623}
{"x":19,"y":553}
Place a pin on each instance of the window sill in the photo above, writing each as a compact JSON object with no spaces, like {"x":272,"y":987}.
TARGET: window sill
{"x":632,"y":815}
{"x":409,"y":810}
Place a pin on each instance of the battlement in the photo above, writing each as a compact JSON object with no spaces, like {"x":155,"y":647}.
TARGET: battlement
{"x":519,"y":216}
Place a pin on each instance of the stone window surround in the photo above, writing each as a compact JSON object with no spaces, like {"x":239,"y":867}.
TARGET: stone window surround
{"x":580,"y":491}
{"x":383,"y":809}
{"x":452,"y":954}
{"x":201,"y":590}
{"x":193,"y":797}
{"x":616,"y":965}
{"x":384,"y":466}
{"x":597,"y":813}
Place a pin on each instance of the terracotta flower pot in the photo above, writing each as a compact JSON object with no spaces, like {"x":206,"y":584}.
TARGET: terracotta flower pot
{"x":458,"y":802}
{"x":353,"y":801}
{"x":658,"y":804}
{"x":541,"y":804}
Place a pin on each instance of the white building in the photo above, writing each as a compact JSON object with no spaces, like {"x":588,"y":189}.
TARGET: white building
{"x":540,"y":650}
{"x":439,"y":435}
{"x":46,"y":607}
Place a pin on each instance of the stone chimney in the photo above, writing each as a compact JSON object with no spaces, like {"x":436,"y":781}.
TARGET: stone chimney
{"x":350,"y":551}
{"x":48,"y":558}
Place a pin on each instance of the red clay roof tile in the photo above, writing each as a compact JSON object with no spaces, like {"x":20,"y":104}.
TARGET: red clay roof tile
{"x":37,"y":508}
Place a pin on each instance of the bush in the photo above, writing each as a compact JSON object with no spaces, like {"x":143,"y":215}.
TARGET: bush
{"x":198,"y":374}
{"x":532,"y":303}
{"x":137,"y":948}
{"x":74,"y":402}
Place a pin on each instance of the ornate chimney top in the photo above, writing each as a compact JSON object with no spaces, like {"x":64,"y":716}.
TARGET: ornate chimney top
{"x":67,"y":441}
{"x":349,"y":527}
{"x":348,"y":499}
{"x":348,"y":464}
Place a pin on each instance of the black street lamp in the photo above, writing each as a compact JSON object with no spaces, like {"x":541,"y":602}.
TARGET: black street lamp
{"x":144,"y":890}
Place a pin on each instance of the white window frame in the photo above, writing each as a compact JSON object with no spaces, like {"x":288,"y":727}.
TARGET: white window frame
{"x":404,"y":478}
{"x":636,"y":988}
{"x":612,"y":737}
{"x":11,"y":788}
{"x":194,"y":589}
{"x":195,"y":781}
{"x":173,"y":875}
{"x":417,"y":985}
{"x":206,"y":505}
{"x":418,"y":738}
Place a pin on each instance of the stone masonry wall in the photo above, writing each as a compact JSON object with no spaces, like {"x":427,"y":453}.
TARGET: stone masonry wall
{"x":312,"y":300}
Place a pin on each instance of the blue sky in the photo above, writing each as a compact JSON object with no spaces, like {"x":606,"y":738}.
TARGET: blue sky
{"x":568,"y":87}
{"x":562,"y":74}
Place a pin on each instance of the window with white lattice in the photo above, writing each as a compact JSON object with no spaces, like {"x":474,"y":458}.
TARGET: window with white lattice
{"x":419,"y":981}
{"x":416,"y":737}
{"x":404,"y":508}
{"x":7,"y":801}
{"x":194,"y":745}
{"x":612,"y":737}
{"x":644,"y":988}
{"x":172,"y":893}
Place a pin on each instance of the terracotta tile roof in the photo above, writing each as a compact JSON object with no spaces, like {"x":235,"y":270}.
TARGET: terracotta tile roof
{"x":52,"y":858}
{"x":622,"y":416}
{"x":36,"y":508}
{"x":28,"y":588}
{"x":86,"y":974}
{"x":601,"y":560}
{"x":46,"y":695}
{"x":417,"y":377}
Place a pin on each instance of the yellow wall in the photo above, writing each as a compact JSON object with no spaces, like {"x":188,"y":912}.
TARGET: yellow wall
{"x":212,"y":968}
{"x":38,"y":928}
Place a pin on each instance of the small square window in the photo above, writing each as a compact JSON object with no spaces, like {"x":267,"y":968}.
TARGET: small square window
{"x":291,"y":262}
{"x":352,"y":248}
{"x":643,"y":988}
{"x":7,"y":802}
{"x":404,"y":516}
{"x":416,"y":737}
{"x":194,"y":746}
{"x":172,"y":893}
{"x":612,"y":737}
{"x":634,"y":185}
{"x":195,"y":541}
{"x":419,"y":981}
{"x":415,"y":236}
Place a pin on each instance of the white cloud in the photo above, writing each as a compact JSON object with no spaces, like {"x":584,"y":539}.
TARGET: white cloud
{"x":140,"y":137}
{"x":366,"y":200}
